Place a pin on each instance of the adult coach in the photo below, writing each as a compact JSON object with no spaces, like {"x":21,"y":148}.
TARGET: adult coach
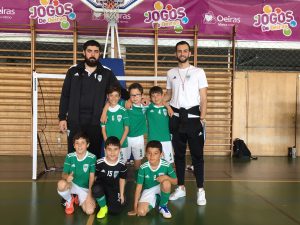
{"x":83,"y":97}
{"x":187,"y":92}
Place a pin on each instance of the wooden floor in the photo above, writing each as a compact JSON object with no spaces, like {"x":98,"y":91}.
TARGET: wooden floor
{"x":262,"y":192}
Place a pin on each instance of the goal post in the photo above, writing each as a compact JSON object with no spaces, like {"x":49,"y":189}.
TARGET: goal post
{"x":37,"y":85}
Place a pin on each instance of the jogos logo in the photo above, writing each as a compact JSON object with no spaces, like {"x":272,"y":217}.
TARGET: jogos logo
{"x":52,"y":11}
{"x":167,"y":16}
{"x":277,"y":19}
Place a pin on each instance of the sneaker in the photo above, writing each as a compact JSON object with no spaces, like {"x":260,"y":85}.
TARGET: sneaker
{"x":178,"y":193}
{"x":69,"y":209}
{"x":165,"y":212}
{"x":201,"y":200}
{"x":190,"y":168}
{"x":102,"y":212}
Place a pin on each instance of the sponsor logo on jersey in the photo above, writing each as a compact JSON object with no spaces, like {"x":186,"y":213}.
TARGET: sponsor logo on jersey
{"x":102,"y":171}
{"x":147,"y":177}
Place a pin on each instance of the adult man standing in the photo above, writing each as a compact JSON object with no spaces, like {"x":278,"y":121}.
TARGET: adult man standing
{"x":187,"y":92}
{"x":83,"y":97}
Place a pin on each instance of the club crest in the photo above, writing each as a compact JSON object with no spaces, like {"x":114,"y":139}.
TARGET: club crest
{"x":85,"y":167}
{"x":119,"y":118}
{"x":99,"y":77}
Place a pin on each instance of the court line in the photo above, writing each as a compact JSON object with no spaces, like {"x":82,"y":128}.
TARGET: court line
{"x":187,"y":180}
{"x":280,"y":210}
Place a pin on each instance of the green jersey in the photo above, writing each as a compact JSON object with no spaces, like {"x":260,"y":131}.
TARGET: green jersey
{"x":81,"y":168}
{"x":137,"y":120}
{"x":147,"y":176}
{"x":158,"y":123}
{"x":117,"y":120}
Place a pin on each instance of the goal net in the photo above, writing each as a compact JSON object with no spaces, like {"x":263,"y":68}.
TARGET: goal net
{"x":49,"y":145}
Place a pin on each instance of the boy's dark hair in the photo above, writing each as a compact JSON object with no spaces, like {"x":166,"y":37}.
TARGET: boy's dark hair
{"x":79,"y":135}
{"x":91,"y":43}
{"x":135,"y":86}
{"x":182,"y":43}
{"x":154,"y":144}
{"x":155,"y":89}
{"x":112,"y":89}
{"x":112,"y":140}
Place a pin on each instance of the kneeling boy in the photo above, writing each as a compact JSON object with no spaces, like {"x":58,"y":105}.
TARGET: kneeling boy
{"x":155,"y":178}
{"x":78,"y":177}
{"x":111,"y":172}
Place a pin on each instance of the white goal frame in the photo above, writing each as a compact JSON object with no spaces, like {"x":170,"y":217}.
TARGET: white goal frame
{"x":35,"y":77}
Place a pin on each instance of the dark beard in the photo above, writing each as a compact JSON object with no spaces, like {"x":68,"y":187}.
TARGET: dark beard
{"x":92,"y":62}
{"x":182,"y":61}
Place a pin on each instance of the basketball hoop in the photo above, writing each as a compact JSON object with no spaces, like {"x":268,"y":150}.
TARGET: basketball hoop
{"x":110,"y":10}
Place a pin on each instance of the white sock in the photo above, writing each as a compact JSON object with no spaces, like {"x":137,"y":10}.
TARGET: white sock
{"x":201,"y":189}
{"x":65,"y":195}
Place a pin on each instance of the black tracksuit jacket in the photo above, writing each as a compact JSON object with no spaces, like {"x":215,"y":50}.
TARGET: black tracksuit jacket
{"x":71,"y":92}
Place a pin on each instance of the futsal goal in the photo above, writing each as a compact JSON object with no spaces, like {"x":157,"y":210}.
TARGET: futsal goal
{"x":49,"y":145}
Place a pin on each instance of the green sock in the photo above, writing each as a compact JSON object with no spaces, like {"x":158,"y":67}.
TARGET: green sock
{"x":164,"y":198}
{"x":101,"y":201}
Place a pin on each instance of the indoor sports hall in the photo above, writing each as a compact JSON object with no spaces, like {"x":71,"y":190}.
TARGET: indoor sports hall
{"x":250,"y":52}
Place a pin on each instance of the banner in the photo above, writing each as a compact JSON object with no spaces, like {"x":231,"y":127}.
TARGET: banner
{"x":273,"y":20}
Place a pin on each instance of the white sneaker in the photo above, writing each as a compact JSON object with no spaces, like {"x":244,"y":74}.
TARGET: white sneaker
{"x":201,"y":200}
{"x":165,"y":212}
{"x":178,"y":193}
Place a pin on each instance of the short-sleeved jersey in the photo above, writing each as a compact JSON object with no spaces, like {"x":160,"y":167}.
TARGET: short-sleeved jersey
{"x":117,"y":119}
{"x":81,"y":168}
{"x":158,"y":123}
{"x":110,"y":174}
{"x":185,"y":85}
{"x":147,"y":176}
{"x":137,"y":120}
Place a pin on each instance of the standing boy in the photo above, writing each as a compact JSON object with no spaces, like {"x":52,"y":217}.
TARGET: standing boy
{"x":78,"y":176}
{"x":137,"y":125}
{"x":155,"y":177}
{"x":158,"y":123}
{"x":108,"y":189}
{"x":117,"y":121}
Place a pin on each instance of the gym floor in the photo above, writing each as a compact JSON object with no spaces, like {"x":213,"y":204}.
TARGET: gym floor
{"x":257,"y":192}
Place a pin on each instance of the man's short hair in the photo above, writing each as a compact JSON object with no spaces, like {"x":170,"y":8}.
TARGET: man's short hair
{"x":112,"y":89}
{"x":135,"y":86}
{"x":79,"y":135}
{"x":112,"y":140}
{"x":155,"y":89}
{"x":154,"y":144}
{"x":91,"y":43}
{"x":183,"y":43}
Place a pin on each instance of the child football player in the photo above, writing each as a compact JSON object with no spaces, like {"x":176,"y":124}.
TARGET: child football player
{"x":155,"y":177}
{"x":78,"y":177}
{"x":137,"y":125}
{"x":158,"y":122}
{"x":109,"y":186}
{"x":117,"y":121}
